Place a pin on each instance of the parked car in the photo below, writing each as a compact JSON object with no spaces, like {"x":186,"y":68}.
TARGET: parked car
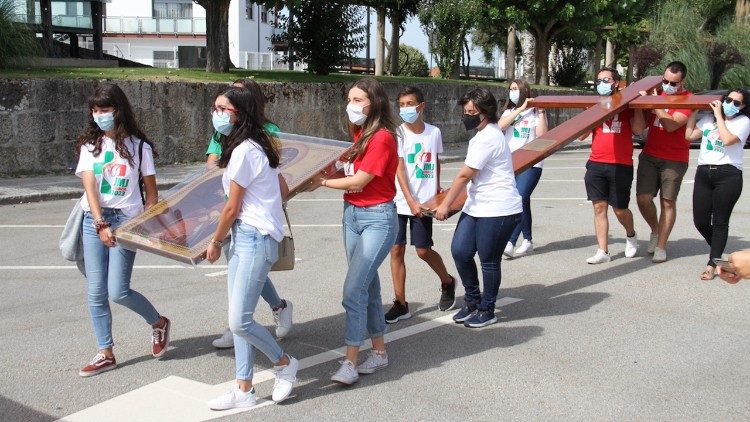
{"x":640,"y":139}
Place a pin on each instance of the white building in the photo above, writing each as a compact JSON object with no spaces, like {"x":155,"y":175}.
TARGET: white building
{"x":160,"y":33}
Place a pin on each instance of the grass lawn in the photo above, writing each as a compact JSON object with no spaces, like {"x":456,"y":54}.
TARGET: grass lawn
{"x":200,"y":75}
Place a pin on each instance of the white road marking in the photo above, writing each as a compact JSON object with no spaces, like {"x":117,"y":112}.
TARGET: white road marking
{"x":142,"y":267}
{"x":180,"y":399}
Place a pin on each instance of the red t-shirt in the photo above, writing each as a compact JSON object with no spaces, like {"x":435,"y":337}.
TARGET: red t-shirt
{"x":381,"y":160}
{"x":612,"y":142}
{"x":667,"y":145}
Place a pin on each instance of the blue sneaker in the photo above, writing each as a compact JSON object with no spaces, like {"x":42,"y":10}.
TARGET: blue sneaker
{"x":464,"y":314}
{"x":480,"y":319}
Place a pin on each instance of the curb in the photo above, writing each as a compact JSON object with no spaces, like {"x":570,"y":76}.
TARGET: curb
{"x":56,"y":196}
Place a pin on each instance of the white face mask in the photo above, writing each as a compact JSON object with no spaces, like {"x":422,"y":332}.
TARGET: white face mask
{"x":356,"y":114}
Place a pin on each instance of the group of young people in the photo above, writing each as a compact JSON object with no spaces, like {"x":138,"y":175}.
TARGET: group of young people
{"x":662,"y":165}
{"x":392,"y":169}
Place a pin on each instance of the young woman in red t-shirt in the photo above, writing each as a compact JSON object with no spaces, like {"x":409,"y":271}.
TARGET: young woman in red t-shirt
{"x":370,"y":222}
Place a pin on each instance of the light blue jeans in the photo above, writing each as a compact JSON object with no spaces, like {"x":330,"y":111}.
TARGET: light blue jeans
{"x":369,"y":234}
{"x":269,"y":293}
{"x":108,"y":273}
{"x":251,"y":256}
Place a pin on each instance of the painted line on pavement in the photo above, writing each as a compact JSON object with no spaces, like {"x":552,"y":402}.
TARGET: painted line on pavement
{"x":180,"y":399}
{"x":142,"y":267}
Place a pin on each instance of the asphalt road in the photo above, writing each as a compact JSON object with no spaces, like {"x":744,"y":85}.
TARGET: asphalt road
{"x":624,"y":340}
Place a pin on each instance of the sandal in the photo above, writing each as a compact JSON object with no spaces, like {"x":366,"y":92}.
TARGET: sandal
{"x":708,"y":275}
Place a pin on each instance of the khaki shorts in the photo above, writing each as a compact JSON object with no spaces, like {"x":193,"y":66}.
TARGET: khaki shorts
{"x":656,"y":175}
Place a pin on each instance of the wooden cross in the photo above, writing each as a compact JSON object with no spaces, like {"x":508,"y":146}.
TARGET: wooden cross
{"x":598,"y":109}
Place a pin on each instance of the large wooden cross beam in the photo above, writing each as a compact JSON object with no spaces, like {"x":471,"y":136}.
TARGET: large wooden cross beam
{"x":598,"y":109}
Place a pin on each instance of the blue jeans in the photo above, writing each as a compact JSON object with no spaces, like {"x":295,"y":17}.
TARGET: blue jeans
{"x":269,"y":293}
{"x":251,"y":255}
{"x":525,"y":183}
{"x":108,"y":273}
{"x":486,"y":236}
{"x":369,"y":233}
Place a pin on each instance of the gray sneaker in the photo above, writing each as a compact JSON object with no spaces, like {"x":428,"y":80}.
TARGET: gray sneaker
{"x":283,"y":319}
{"x":375,"y":361}
{"x":347,"y":373}
{"x":226,"y":341}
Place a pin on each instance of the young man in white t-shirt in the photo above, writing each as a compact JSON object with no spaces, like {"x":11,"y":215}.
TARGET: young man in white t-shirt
{"x":417,"y":180}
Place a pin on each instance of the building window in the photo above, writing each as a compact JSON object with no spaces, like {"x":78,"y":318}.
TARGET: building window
{"x":180,"y":9}
{"x":249,"y":7}
{"x":263,"y":14}
{"x":164,"y":59}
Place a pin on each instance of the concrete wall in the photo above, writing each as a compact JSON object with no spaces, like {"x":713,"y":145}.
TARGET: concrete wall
{"x":41,"y":118}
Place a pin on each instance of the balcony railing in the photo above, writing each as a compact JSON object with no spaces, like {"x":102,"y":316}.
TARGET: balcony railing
{"x":69,"y":21}
{"x":140,"y":25}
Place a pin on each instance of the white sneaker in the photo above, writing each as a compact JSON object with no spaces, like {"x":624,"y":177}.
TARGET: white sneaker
{"x":631,"y":246}
{"x":375,"y":361}
{"x":526,"y":247}
{"x":660,"y":255}
{"x":285,"y":377}
{"x":599,"y":258}
{"x":652,"y":241}
{"x":347,"y":373}
{"x":508,"y":250}
{"x":233,"y":399}
{"x":283,"y":319}
{"x":226,"y":341}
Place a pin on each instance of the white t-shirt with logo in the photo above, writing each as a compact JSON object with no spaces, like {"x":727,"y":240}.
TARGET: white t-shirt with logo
{"x":713,"y":150}
{"x":420,"y":154}
{"x":492,"y":192}
{"x":116,"y":179}
{"x":522,"y":130}
{"x":261,"y":204}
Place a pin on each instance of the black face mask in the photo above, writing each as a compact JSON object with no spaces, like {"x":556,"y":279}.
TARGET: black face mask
{"x":471,"y":121}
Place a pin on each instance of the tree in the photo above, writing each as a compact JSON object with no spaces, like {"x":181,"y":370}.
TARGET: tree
{"x":17,"y":39}
{"x":322,"y":46}
{"x":449,"y":21}
{"x":217,"y":34}
{"x":411,"y":62}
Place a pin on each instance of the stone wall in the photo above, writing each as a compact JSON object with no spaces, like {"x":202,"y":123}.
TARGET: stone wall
{"x":41,"y":118}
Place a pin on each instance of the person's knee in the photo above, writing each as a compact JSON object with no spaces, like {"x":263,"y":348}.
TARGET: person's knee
{"x":424,"y":253}
{"x":398,"y":251}
{"x":668,"y":204}
{"x":600,"y":207}
{"x":644,"y":200}
{"x":119,"y":295}
{"x":621,"y":212}
{"x":239,"y":322}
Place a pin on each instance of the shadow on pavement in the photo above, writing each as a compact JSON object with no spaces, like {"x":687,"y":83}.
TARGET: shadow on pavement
{"x":14,"y":411}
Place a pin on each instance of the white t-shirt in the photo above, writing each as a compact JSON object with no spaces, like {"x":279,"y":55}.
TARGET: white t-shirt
{"x":492,"y":192}
{"x":116,"y":179}
{"x":523,"y":130}
{"x":713,"y":150}
{"x":420,"y":154}
{"x":261,"y":204}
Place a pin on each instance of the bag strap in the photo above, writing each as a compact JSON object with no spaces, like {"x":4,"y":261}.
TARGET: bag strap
{"x":140,"y":176}
{"x":288,"y":224}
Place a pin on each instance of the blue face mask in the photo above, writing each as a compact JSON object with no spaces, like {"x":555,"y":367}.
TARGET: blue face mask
{"x":669,"y":89}
{"x":221,"y":123}
{"x":514,"y":96}
{"x":409,"y":114}
{"x":730,"y":110}
{"x":105,"y":121}
{"x":604,"y":89}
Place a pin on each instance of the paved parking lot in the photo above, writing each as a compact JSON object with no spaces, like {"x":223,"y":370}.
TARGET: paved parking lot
{"x":624,"y":340}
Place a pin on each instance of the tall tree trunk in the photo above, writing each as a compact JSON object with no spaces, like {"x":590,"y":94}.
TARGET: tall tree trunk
{"x":217,"y":35}
{"x":631,"y":64}
{"x":466,"y":54}
{"x":379,"y":42}
{"x":541,"y":55}
{"x":510,"y":54}
{"x":596,"y":59}
{"x":527,"y":52}
{"x":396,"y":18}
{"x":609,"y":56}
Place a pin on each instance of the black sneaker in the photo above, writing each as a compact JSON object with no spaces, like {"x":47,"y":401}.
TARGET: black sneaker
{"x":397,"y":312}
{"x":447,"y":296}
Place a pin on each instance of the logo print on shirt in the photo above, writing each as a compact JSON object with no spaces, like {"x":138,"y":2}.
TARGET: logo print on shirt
{"x":112,"y":175}
{"x":712,"y":134}
{"x":421,"y":161}
{"x":613,"y":125}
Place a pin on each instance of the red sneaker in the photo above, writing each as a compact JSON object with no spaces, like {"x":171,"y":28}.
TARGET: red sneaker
{"x":160,"y":339}
{"x":99,"y":364}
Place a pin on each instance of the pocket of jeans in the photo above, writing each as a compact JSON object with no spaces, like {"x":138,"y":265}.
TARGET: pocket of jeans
{"x":271,"y":247}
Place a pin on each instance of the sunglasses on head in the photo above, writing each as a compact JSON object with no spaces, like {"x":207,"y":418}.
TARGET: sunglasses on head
{"x":666,"y":82}
{"x":605,"y":80}
{"x":729,"y":100}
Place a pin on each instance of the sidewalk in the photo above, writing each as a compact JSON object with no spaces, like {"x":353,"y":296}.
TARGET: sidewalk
{"x":47,"y":188}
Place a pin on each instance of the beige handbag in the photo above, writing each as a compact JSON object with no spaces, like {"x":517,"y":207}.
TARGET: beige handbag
{"x":286,"y":250}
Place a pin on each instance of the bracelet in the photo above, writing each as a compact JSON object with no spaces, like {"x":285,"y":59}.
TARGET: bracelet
{"x":324,"y":182}
{"x":100,"y":224}
{"x":216,"y":242}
